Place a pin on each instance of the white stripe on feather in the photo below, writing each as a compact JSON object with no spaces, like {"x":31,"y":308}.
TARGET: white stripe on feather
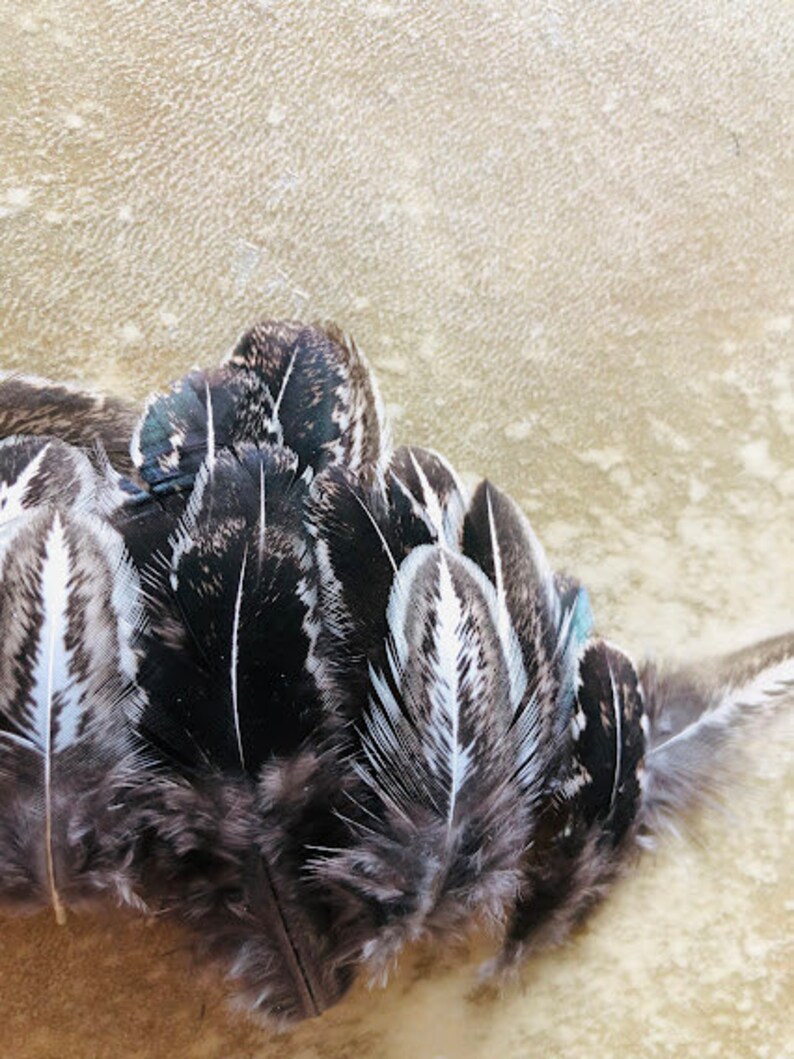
{"x":616,"y":708}
{"x":432,"y":504}
{"x":262,"y":515}
{"x":444,"y":693}
{"x":284,"y":382}
{"x":235,"y":659}
{"x":504,"y":623}
{"x":210,"y":430}
{"x":50,"y":679}
{"x":12,"y":497}
{"x":183,"y":539}
{"x":377,"y":529}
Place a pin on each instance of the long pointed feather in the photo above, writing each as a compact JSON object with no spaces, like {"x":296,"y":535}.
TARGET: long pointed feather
{"x":549,"y":628}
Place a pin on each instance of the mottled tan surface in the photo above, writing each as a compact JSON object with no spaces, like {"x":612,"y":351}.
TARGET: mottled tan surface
{"x":563,"y":232}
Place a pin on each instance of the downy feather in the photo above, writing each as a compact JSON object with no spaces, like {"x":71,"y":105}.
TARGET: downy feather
{"x":699,"y":718}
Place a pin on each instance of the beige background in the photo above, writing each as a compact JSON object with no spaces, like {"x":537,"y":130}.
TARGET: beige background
{"x":563,"y":233}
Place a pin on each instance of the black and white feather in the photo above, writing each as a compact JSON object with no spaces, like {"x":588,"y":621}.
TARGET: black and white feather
{"x":70,"y":620}
{"x":236,"y":715}
{"x":303,"y":388}
{"x":590,"y":810}
{"x":440,"y":822}
{"x":417,"y":500}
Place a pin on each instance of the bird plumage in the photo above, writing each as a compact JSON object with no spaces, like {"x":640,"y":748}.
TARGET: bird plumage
{"x":304,"y":694}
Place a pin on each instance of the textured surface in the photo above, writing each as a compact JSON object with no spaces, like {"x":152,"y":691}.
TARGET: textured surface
{"x":563,"y":234}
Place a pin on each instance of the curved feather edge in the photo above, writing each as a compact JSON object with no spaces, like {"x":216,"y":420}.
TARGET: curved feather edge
{"x":325,"y":398}
{"x":229,"y":667}
{"x":425,"y":490}
{"x":203,"y":414}
{"x":552,"y":626}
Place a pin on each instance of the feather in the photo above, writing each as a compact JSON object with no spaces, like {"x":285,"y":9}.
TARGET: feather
{"x":439,"y":824}
{"x":86,"y":420}
{"x":587,"y":822}
{"x":352,"y":580}
{"x":69,"y":620}
{"x":387,"y":516}
{"x":227,"y":662}
{"x":202,"y":415}
{"x":227,"y":855}
{"x":238,"y":722}
{"x":146,"y":520}
{"x":35,"y":470}
{"x":304,"y":388}
{"x":324,"y":398}
{"x":426,"y":497}
{"x":698,"y":718}
{"x":551,"y":626}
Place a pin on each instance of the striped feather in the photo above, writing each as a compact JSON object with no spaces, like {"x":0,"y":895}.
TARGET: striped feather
{"x":386,"y":516}
{"x":551,"y":626}
{"x":34,"y":470}
{"x":440,"y":824}
{"x":426,"y":497}
{"x":70,"y":619}
{"x":203,"y":414}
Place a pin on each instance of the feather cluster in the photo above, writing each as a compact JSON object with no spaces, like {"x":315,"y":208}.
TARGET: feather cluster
{"x":265,"y":675}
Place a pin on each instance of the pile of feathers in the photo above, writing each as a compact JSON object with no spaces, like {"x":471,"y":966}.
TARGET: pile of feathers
{"x":264,"y":675}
